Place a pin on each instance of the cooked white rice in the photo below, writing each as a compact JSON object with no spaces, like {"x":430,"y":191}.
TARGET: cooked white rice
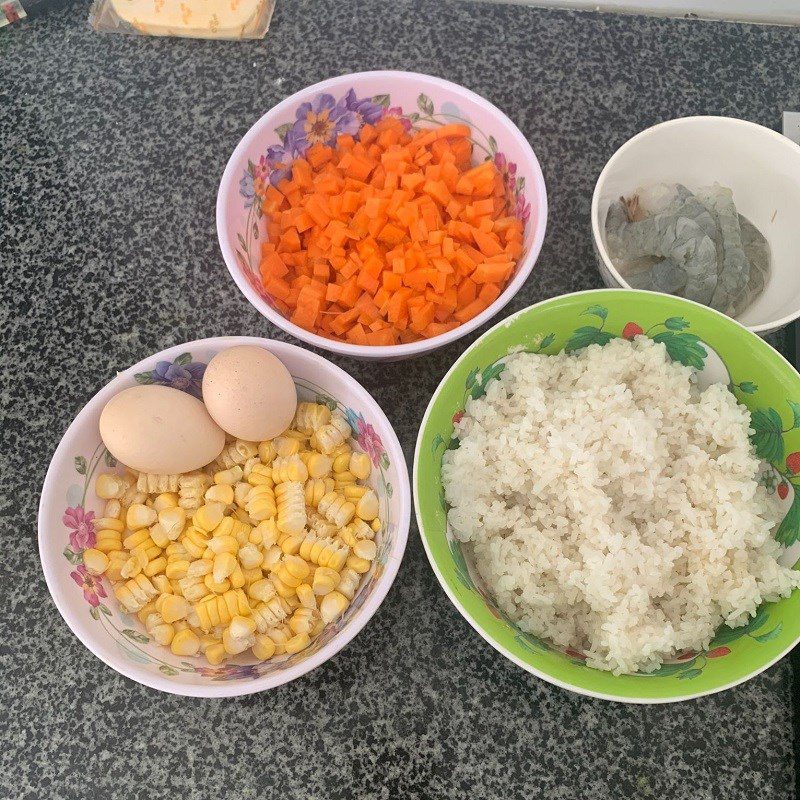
{"x":611,"y":506}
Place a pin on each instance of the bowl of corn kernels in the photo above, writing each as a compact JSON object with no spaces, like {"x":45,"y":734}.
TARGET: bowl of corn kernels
{"x":243,"y":573}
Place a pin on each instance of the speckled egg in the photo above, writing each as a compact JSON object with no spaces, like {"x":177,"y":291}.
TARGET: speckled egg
{"x":249,"y":393}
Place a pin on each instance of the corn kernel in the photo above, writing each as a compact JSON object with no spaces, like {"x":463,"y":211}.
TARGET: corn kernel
{"x":303,"y":620}
{"x":341,"y":463}
{"x":131,"y":568}
{"x":109,"y":523}
{"x":367,"y":506}
{"x":264,"y":647}
{"x":96,"y":562}
{"x":376,"y":525}
{"x":360,"y":565}
{"x":223,"y":544}
{"x":165,"y":500}
{"x":140,"y":516}
{"x":325,"y":580}
{"x":218,"y":587}
{"x":113,"y":510}
{"x":262,"y":590}
{"x":108,"y":486}
{"x":354,"y":491}
{"x":306,"y":596}
{"x":172,"y":521}
{"x":185,"y":643}
{"x":332,"y":606}
{"x":250,"y":556}
{"x":266,"y":451}
{"x":348,"y":583}
{"x":365,"y":549}
{"x":224,"y":564}
{"x":234,"y":646}
{"x":154,"y":567}
{"x":161,"y":582}
{"x":297,"y":643}
{"x":163,"y":634}
{"x":228,"y":477}
{"x":319,"y":466}
{"x":135,"y":539}
{"x":173,"y":608}
{"x":199,"y":568}
{"x":215,"y":654}
{"x":360,"y":465}
{"x":242,"y":627}
{"x":219,"y":493}
{"x":237,"y":578}
{"x":208,"y":516}
{"x":176,"y":570}
{"x":240,"y":492}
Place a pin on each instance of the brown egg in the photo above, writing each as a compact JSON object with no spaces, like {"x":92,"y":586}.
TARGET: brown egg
{"x":249,"y":393}
{"x":159,"y":429}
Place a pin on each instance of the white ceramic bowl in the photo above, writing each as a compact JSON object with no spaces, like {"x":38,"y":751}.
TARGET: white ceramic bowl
{"x":89,"y":606}
{"x":425,"y":101}
{"x":761,"y":166}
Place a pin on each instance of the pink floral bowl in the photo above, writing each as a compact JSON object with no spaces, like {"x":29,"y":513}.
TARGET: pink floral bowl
{"x":68,"y":506}
{"x":343,"y":105}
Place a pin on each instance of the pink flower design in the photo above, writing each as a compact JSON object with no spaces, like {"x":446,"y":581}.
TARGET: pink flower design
{"x":82,"y":529}
{"x":523,"y":209}
{"x":91,"y":584}
{"x":396,"y":111}
{"x":370,"y":442}
{"x":508,"y":169}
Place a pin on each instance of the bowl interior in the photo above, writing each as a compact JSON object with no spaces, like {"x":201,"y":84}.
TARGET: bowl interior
{"x":760,"y":166}
{"x":119,"y":639}
{"x":725,"y":352}
{"x":421,"y":101}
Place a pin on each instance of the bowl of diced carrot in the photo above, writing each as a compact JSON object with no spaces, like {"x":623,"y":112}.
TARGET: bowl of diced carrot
{"x":381,"y":214}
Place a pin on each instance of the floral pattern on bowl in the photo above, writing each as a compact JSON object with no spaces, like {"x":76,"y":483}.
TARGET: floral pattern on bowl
{"x":320,"y":121}
{"x":694,"y":336}
{"x":95,"y":594}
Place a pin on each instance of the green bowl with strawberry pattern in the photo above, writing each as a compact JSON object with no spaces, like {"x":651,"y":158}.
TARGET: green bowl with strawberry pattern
{"x":721,"y":350}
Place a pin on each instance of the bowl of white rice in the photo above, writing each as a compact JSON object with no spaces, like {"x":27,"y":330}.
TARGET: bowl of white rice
{"x":607,"y":485}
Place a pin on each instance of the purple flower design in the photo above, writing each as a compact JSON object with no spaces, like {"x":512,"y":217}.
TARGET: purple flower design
{"x":320,"y":122}
{"x":247,"y":188}
{"x":186,"y":377}
{"x":91,"y":584}
{"x":278,"y":161}
{"x":81,"y":527}
{"x":365,"y":110}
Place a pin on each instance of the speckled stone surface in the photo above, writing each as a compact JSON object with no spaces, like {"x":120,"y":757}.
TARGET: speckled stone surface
{"x":112,"y":148}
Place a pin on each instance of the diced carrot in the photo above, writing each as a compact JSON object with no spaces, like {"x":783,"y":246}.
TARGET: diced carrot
{"x":389,"y":236}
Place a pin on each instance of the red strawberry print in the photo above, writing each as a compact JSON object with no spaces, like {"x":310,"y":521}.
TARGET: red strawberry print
{"x":685,"y":656}
{"x":718,"y":652}
{"x":631,"y":330}
{"x":575,"y":654}
{"x":457,"y":417}
{"x":793,"y":463}
{"x":783,"y":490}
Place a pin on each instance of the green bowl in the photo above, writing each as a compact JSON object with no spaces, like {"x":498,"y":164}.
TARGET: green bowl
{"x":721,"y":350}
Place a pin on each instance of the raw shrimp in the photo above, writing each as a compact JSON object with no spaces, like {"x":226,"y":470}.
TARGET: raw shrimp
{"x":735,"y":273}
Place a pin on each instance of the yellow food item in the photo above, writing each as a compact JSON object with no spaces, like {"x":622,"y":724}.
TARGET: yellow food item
{"x":254,"y":553}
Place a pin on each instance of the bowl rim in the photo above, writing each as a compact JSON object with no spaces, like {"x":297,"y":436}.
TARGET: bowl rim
{"x":593,"y":293}
{"x":764,"y":327}
{"x":339,"y":642}
{"x":229,"y":181}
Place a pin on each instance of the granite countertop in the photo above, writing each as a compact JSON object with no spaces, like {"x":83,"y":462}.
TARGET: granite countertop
{"x":112,"y":149}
